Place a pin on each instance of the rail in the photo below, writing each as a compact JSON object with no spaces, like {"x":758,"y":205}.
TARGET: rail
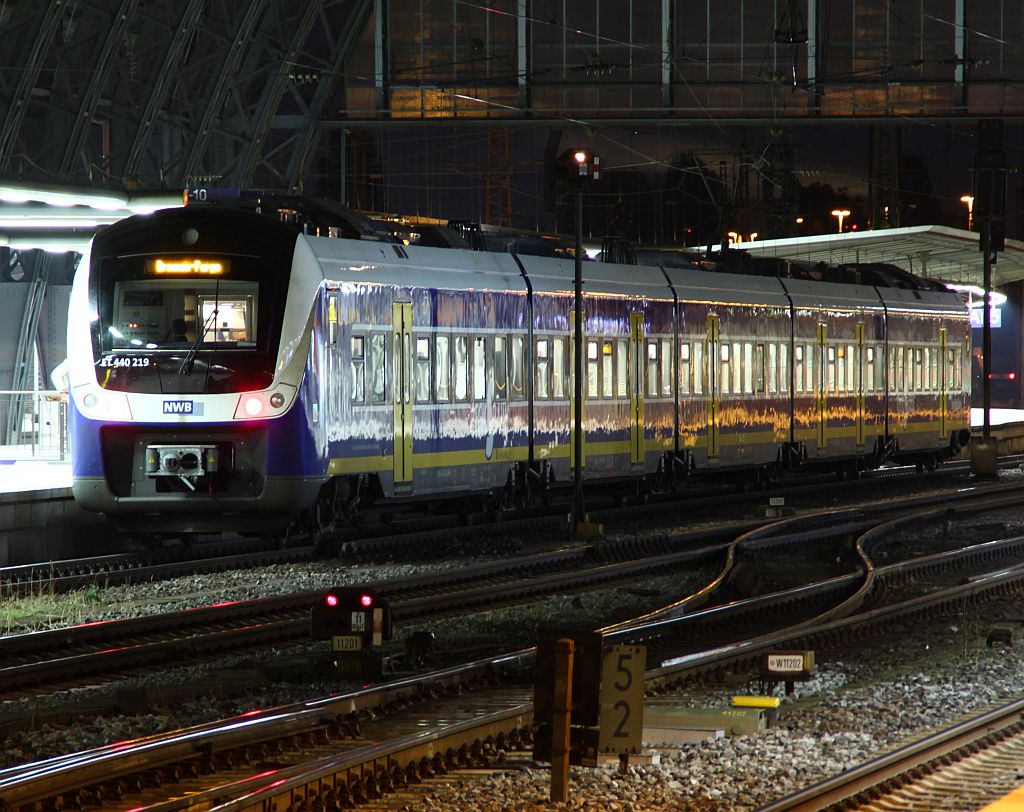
{"x":36,"y":425}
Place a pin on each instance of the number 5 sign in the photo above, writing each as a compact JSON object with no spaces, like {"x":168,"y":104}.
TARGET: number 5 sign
{"x":622,"y":699}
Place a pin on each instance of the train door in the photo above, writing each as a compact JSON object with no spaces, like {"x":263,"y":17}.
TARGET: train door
{"x":859,"y":372}
{"x":572,"y":395}
{"x":713,"y":361}
{"x":822,"y":384}
{"x":401,"y":342}
{"x":943,"y":386}
{"x":636,"y":389}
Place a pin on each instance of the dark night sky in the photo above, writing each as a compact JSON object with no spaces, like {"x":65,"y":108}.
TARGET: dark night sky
{"x":442,"y":171}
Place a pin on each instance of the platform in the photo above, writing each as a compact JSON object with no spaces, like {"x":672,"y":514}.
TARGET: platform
{"x":18,"y":475}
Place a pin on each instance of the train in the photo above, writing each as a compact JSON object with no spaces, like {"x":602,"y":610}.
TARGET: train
{"x":249,"y":368}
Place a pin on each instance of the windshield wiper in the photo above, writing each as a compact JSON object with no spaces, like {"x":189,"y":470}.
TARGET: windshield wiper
{"x":190,"y":356}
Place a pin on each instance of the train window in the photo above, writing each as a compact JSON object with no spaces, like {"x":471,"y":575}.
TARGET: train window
{"x":737,"y":368}
{"x":607,"y":369}
{"x":652,"y":368}
{"x":699,"y":373}
{"x":840,"y":379}
{"x":332,"y":318}
{"x":830,"y":383}
{"x":933,"y":367}
{"x":622,"y":368}
{"x":958,"y":370}
{"x":543,"y":366}
{"x":950,"y":368}
{"x":726,"y":377}
{"x":377,"y":368}
{"x":592,"y":370}
{"x":918,"y":369}
{"x":758,"y":369}
{"x":773,"y":368}
{"x":811,"y":380}
{"x":358,"y":369}
{"x":798,"y":363}
{"x":783,"y":368}
{"x":851,"y":369}
{"x":869,"y":377}
{"x":748,"y":368}
{"x":684,"y":368}
{"x":461,"y":364}
{"x":516,"y":370}
{"x":422,"y":370}
{"x":558,"y":368}
{"x":666,"y":367}
{"x":500,"y":368}
{"x":479,"y":368}
{"x":442,"y":370}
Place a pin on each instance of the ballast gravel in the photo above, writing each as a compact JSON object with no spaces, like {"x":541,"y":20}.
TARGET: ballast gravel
{"x":862,"y":701}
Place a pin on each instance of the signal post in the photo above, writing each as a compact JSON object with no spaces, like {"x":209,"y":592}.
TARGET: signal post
{"x":588,"y":701}
{"x":356,"y":621}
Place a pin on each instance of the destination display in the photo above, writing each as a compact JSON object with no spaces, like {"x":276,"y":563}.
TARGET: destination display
{"x":188,"y":266}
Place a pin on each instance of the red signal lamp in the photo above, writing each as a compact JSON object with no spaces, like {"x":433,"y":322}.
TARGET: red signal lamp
{"x":331,"y":600}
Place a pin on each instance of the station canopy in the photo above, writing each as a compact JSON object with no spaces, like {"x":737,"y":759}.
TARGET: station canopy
{"x":937,"y":252}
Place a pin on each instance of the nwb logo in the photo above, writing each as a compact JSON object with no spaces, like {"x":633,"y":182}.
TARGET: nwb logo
{"x":182,"y":407}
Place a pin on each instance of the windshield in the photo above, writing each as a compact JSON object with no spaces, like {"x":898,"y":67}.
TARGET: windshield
{"x":186,"y":324}
{"x":173,"y":313}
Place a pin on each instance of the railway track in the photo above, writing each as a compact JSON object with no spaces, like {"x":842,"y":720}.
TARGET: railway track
{"x":966,"y":766}
{"x":278,"y":757}
{"x":53,"y":658}
{"x":64,"y":656}
{"x":417,"y":533}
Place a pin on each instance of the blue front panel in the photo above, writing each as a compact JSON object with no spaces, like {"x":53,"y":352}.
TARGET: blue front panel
{"x":86,"y":457}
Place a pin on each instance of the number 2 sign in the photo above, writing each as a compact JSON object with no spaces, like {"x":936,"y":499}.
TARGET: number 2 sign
{"x":622,"y":699}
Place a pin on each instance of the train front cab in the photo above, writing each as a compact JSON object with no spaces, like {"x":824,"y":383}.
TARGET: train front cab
{"x":180,"y":418}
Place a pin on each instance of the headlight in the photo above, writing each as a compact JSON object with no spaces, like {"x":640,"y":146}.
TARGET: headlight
{"x":254,"y":405}
{"x":105,"y":405}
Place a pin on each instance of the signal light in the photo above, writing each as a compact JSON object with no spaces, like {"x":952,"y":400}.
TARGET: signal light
{"x":331,"y":600}
{"x":366,"y":600}
{"x":587,"y":165}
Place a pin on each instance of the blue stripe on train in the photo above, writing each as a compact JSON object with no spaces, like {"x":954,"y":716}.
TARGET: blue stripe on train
{"x":291,"y":450}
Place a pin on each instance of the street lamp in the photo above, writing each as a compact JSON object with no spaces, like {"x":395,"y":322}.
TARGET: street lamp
{"x":583,"y":166}
{"x":969,"y":200}
{"x":840,"y":213}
